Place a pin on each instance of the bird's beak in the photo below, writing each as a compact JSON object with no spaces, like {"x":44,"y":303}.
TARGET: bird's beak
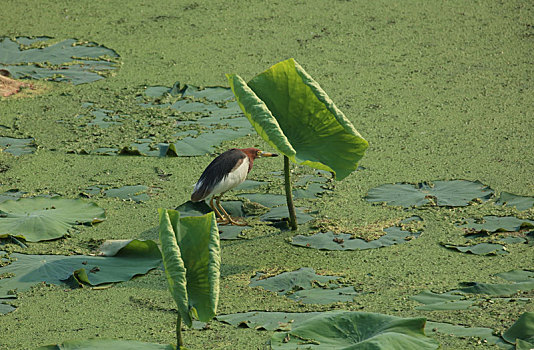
{"x":267,"y":154}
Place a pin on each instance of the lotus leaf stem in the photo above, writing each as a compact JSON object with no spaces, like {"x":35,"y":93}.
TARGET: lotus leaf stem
{"x":179,"y":340}
{"x":289,"y":196}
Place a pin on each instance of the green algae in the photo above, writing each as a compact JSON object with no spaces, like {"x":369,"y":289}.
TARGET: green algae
{"x":440,"y":90}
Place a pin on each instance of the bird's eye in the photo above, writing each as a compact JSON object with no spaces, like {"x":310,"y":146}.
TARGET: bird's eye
{"x":258,"y":153}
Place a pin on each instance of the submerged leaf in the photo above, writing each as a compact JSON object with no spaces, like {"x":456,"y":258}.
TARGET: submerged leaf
{"x":45,"y":218}
{"x":294,"y":115}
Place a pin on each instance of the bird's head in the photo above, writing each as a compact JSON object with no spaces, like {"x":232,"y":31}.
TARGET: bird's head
{"x":254,"y":153}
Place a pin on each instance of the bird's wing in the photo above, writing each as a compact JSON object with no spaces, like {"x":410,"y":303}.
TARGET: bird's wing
{"x":216,"y":172}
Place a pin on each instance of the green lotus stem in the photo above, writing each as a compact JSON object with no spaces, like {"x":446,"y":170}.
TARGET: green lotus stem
{"x":289,"y":196}
{"x":179,"y":340}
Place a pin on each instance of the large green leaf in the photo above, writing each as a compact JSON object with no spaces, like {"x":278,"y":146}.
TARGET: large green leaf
{"x":191,"y":256}
{"x":45,"y":218}
{"x":99,"y":344}
{"x":129,"y":259}
{"x":356,"y":330}
{"x":293,"y":114}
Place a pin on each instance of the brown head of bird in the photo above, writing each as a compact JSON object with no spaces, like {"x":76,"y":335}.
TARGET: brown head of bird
{"x":225,"y":172}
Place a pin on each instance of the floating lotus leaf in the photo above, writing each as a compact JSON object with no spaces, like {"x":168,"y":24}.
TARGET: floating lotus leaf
{"x":306,"y":286}
{"x":45,"y":218}
{"x":134,"y":193}
{"x":356,"y":330}
{"x":482,"y":333}
{"x":517,"y":275}
{"x":480,"y":249}
{"x":281,"y":213}
{"x":513,"y":200}
{"x":522,"y":329}
{"x":6,"y":308}
{"x":135,"y":258}
{"x":270,"y":321}
{"x":455,"y":193}
{"x":493,"y":223}
{"x":67,"y":60}
{"x":218,"y":122}
{"x":496,"y":289}
{"x":344,"y":241}
{"x":10,"y":195}
{"x":292,"y":113}
{"x":442,"y":301}
{"x":96,"y":344}
{"x":191,"y":256}
{"x":17,"y":147}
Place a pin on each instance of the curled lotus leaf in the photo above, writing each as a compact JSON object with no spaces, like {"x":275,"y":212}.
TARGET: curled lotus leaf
{"x":191,"y":255}
{"x":293,"y":114}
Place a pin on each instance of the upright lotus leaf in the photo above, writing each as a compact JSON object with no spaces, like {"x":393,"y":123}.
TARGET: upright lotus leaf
{"x":191,"y":256}
{"x":356,"y":330}
{"x":293,"y":114}
{"x":45,"y":218}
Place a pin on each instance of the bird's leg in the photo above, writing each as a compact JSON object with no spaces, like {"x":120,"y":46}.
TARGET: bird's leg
{"x":220,"y":219}
{"x":228,"y":217}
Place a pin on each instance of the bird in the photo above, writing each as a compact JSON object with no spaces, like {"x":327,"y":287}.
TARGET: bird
{"x":225,"y":172}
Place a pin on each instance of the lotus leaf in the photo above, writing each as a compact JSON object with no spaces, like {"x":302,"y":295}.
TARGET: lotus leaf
{"x":67,"y":60}
{"x":355,"y":330}
{"x":517,"y":275}
{"x":270,"y":321}
{"x":134,"y":193}
{"x":522,"y":329}
{"x":98,"y":344}
{"x":442,"y":301}
{"x":218,"y":122}
{"x":455,"y":193}
{"x":191,"y":256}
{"x":10,"y":195}
{"x":344,"y":241}
{"x":135,"y":258}
{"x":485,"y":334}
{"x":306,"y":286}
{"x":280,"y":213}
{"x":5,"y":308}
{"x":45,"y":218}
{"x":513,"y":200}
{"x":17,"y":147}
{"x":480,"y":249}
{"x":496,"y":289}
{"x":497,"y":223}
{"x":294,"y":115}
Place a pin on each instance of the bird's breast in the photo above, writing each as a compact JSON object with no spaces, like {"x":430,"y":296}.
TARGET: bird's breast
{"x":233,"y":178}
